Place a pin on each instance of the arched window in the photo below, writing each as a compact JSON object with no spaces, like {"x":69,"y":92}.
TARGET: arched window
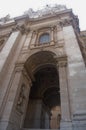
{"x":44,"y":38}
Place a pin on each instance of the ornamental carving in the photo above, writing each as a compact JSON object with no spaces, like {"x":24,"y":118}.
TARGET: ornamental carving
{"x":23,"y":29}
{"x":66,"y":22}
{"x":61,"y":61}
{"x":4,"y":19}
{"x":48,"y":10}
{"x":21,"y":99}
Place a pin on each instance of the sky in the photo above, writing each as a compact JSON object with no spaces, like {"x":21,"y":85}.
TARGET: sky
{"x":18,"y":7}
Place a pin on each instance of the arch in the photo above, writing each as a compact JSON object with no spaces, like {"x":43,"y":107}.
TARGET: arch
{"x":44,"y":98}
{"x":40,"y":59}
{"x":35,"y":51}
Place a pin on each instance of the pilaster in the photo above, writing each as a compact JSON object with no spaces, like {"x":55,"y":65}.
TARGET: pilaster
{"x":11,"y":119}
{"x":76,"y":77}
{"x":64,"y":95}
{"x":33,"y":39}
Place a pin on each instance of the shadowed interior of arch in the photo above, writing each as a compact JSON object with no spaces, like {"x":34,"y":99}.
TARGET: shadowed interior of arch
{"x":44,"y":100}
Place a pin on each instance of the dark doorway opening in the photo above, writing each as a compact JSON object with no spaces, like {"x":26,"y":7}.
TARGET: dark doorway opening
{"x":44,"y":100}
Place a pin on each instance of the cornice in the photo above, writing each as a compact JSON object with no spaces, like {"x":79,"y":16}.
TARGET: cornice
{"x":15,"y":20}
{"x":53,"y":16}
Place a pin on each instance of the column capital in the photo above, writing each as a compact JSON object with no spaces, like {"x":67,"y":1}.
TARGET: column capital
{"x":22,"y":28}
{"x":66,"y":22}
{"x":62,"y":63}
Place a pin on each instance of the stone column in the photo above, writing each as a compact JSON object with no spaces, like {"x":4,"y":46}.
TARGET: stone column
{"x":64,"y":95}
{"x":8,"y":121}
{"x":76,"y":77}
{"x":8,"y":72}
{"x":6,"y":56}
{"x":5,"y":120}
{"x":77,"y":71}
{"x":13,"y":39}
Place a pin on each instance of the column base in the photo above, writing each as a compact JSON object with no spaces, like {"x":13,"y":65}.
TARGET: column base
{"x":66,"y":125}
{"x":79,"y":125}
{"x":5,"y":125}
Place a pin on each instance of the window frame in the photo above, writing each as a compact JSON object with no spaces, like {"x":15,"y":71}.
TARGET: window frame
{"x":46,"y":35}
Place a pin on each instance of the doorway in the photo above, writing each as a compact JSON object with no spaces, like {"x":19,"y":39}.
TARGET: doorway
{"x":43,"y":109}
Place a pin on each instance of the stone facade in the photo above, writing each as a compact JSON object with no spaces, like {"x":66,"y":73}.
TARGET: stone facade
{"x":42,"y":71}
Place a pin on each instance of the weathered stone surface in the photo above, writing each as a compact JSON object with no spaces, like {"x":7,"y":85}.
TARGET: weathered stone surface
{"x":59,"y":89}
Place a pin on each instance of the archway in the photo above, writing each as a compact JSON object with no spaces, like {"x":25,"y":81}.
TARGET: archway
{"x":43,"y":109}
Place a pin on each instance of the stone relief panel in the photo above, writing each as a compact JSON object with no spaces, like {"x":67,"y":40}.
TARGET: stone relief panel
{"x":21,"y":99}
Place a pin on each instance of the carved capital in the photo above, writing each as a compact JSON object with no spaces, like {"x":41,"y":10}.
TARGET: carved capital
{"x":65,"y":22}
{"x":21,"y":28}
{"x":59,"y":26}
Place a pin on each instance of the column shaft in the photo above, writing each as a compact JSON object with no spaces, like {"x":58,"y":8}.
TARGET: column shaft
{"x":65,"y":108}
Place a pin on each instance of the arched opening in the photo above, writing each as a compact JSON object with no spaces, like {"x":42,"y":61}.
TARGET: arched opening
{"x":44,"y":107}
{"x":44,"y":100}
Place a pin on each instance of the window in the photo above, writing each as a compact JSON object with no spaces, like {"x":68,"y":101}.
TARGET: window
{"x":44,"y":38}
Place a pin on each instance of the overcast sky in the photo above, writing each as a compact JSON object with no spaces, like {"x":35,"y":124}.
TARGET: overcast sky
{"x":18,"y":7}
